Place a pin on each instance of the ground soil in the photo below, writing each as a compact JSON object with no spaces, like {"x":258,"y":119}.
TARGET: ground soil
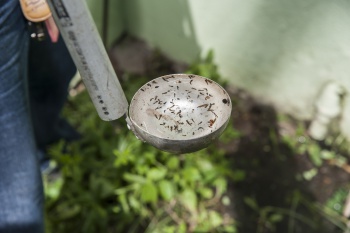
{"x":272,"y":167}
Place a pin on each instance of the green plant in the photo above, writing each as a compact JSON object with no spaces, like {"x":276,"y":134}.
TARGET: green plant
{"x":112,"y":182}
{"x":207,"y":68}
{"x":337,"y":201}
{"x":334,"y":149}
{"x":270,"y":216}
{"x":185,"y":186}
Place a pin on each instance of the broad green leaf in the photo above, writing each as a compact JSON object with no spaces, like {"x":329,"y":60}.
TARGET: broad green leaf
{"x":230,"y":229}
{"x":166,"y":189}
{"x":315,"y":154}
{"x":53,"y":188}
{"x":156,"y":174}
{"x":202,"y":214}
{"x":326,"y":154}
{"x":215,"y":219}
{"x":122,"y":158}
{"x":308,"y":175}
{"x":168,"y":229}
{"x":134,"y":203}
{"x":205,"y":192}
{"x":210,"y":175}
{"x":134,"y":178}
{"x":149,"y":193}
{"x":142,"y":169}
{"x":204,"y":165}
{"x":124,"y":203}
{"x":226,"y":201}
{"x":276,"y":218}
{"x":173,"y":163}
{"x":188,"y":198}
{"x":191,"y":174}
{"x":182,"y":228}
{"x":125,"y":189}
{"x":116,"y":209}
{"x":221,"y":185}
{"x":176,"y":177}
{"x":150,"y":157}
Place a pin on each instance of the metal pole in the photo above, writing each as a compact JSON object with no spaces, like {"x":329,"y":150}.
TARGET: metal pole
{"x":86,"y":48}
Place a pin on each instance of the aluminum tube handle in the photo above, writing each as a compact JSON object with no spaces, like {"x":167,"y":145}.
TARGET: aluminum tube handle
{"x":80,"y":34}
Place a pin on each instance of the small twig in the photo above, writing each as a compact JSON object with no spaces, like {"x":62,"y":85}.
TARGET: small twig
{"x":214,"y":200}
{"x":173,"y":215}
{"x":347,"y":227}
{"x":345,"y":167}
{"x":346,"y":213}
{"x":292,"y":211}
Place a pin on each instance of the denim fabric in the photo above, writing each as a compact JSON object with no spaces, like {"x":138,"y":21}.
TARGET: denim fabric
{"x":21,"y":195}
{"x":51,"y":68}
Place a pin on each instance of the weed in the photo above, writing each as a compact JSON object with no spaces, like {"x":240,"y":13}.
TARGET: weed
{"x":112,"y":182}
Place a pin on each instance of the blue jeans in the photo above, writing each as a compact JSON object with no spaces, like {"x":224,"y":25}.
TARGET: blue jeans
{"x":50,"y":70}
{"x":21,"y":195}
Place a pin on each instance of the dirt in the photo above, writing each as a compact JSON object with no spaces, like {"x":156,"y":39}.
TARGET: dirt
{"x":271,"y":167}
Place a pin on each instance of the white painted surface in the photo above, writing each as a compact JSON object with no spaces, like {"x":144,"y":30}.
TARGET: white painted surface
{"x":116,"y":24}
{"x":282,"y":51}
{"x":328,"y":107}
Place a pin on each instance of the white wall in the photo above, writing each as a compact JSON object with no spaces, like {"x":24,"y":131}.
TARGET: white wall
{"x":283,"y":51}
{"x":116,"y":24}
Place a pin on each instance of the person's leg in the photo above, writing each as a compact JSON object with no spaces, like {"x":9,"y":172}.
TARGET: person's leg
{"x":21,"y":196}
{"x":51,"y":68}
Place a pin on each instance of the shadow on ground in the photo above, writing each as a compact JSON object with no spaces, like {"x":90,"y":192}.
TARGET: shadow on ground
{"x":271,"y":168}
